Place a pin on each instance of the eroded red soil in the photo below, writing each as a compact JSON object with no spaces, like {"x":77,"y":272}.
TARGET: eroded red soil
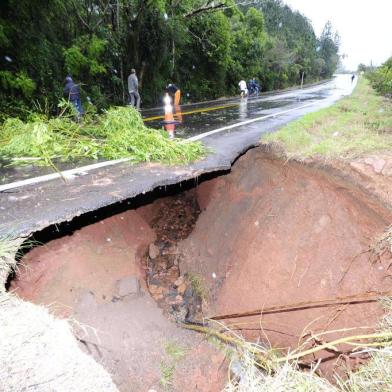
{"x":268,"y":234}
{"x":276,"y":234}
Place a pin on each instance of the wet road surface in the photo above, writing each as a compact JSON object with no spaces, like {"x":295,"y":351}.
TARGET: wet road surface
{"x":92,"y":194}
{"x":200,"y":118}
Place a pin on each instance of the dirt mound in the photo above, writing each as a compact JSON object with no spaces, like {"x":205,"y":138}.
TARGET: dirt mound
{"x":272,"y":233}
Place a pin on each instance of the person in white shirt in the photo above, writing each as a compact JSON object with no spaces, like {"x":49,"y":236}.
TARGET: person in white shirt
{"x":243,"y":88}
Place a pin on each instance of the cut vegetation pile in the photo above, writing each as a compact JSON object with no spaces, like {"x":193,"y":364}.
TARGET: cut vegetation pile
{"x":118,"y":133}
{"x":360,"y":123}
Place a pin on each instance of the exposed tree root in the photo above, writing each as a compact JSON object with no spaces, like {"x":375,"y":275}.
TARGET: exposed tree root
{"x":349,"y":300}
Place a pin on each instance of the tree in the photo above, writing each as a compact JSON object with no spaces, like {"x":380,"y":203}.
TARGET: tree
{"x":204,"y":46}
{"x":329,"y":47}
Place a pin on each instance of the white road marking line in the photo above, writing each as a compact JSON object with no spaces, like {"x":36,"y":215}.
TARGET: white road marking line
{"x":83,"y":169}
{"x":64,"y":174}
{"x":205,"y":134}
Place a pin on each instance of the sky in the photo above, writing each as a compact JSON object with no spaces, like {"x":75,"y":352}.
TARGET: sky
{"x":365,"y":27}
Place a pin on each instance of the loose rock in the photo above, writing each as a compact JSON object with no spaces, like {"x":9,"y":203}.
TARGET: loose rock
{"x":153,"y":251}
{"x":128,"y":286}
{"x":181,"y":288}
{"x":179,"y":281}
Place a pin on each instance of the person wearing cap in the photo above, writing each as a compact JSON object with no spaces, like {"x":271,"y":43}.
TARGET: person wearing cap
{"x":133,"y":89}
{"x":72,"y":92}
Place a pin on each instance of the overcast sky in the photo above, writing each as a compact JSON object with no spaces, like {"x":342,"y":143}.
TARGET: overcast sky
{"x":365,"y":27}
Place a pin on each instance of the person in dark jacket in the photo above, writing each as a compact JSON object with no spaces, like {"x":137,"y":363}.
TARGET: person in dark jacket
{"x":72,"y":93}
{"x":133,"y":89}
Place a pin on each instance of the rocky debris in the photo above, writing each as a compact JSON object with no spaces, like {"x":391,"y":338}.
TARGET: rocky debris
{"x":174,"y":221}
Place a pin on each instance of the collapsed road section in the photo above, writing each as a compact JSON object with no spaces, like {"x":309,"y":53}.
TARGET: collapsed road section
{"x":265,"y":234}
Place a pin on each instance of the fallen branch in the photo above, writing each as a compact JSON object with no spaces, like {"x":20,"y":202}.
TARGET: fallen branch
{"x":349,"y":300}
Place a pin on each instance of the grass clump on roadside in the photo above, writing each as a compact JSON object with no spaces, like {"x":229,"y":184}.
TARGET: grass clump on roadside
{"x":358,"y":124}
{"x":118,"y":133}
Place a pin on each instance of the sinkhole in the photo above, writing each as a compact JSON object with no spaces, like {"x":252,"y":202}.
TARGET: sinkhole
{"x":265,"y":235}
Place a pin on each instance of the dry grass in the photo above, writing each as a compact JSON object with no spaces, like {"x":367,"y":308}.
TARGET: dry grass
{"x":256,"y":367}
{"x":376,"y":375}
{"x":8,"y":250}
{"x":382,"y":245}
{"x":249,"y":378}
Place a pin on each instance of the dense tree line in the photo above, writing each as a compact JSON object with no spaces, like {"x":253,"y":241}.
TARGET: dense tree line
{"x":204,"y":46}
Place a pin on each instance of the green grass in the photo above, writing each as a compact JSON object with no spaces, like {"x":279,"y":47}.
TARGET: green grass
{"x":167,"y":374}
{"x":358,"y":124}
{"x":197,"y":284}
{"x":118,"y":133}
{"x":174,"y":353}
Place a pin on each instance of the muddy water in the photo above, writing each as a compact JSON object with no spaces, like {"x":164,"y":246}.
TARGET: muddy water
{"x":266,"y":234}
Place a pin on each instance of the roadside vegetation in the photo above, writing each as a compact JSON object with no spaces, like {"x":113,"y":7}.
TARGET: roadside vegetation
{"x":357,"y":124}
{"x":117,"y":133}
{"x":381,"y":78}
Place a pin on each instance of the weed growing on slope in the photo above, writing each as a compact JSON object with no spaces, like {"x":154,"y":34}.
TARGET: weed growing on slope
{"x":174,"y":352}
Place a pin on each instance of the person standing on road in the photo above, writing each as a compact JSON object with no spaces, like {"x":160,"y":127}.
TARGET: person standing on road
{"x":256,"y":86}
{"x":175,"y":93}
{"x":72,"y":92}
{"x":133,"y":89}
{"x":243,"y":88}
{"x":352,"y":78}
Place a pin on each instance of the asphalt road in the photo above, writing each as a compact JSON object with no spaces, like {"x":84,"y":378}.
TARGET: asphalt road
{"x":228,"y":127}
